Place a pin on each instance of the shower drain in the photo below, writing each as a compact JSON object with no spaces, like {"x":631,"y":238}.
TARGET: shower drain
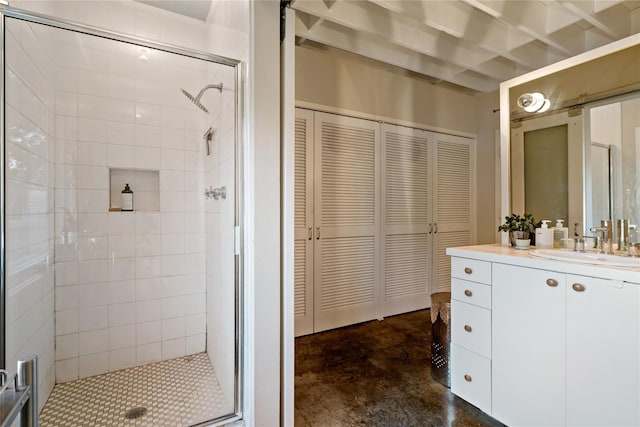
{"x":134,"y":413}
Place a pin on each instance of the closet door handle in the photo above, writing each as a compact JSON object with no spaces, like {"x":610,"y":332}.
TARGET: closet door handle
{"x":317,"y":233}
{"x":310,"y":233}
{"x":435,"y":225}
{"x":430,"y":228}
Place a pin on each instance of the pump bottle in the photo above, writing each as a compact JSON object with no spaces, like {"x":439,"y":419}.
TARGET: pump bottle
{"x":127,"y":199}
{"x":560,"y":234}
{"x":544,"y":235}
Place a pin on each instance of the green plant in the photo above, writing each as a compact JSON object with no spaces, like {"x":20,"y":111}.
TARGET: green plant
{"x":516,"y":222}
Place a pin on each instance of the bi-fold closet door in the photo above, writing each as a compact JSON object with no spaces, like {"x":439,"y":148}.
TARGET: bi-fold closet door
{"x":427,"y":207}
{"x":337,"y":225}
{"x":375,"y":207}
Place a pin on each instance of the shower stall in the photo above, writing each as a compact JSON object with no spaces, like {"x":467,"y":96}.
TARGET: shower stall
{"x":134,"y":315}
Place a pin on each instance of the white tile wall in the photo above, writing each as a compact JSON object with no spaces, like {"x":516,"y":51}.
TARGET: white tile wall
{"x":127,"y":293}
{"x":30,"y":174}
{"x":118,"y":114}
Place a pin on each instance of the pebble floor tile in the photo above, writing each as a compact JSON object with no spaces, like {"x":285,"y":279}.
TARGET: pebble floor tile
{"x":178,"y":392}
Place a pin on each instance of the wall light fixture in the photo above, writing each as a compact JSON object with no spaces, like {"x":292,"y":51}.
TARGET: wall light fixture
{"x":534,"y":102}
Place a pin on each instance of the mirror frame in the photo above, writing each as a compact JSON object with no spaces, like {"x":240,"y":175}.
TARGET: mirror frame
{"x":505,"y":113}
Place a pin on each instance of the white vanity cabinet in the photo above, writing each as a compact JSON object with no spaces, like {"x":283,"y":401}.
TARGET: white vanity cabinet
{"x":565,"y":341}
{"x":529,"y":359}
{"x":471,"y":331}
{"x":603,"y":352}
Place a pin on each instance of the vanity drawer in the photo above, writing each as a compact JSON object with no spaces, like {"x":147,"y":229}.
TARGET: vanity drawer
{"x":471,"y":269}
{"x":471,"y":327}
{"x":471,"y":292}
{"x":471,"y":377}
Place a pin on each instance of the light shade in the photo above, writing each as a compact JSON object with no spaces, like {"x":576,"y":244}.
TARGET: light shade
{"x":534,"y":102}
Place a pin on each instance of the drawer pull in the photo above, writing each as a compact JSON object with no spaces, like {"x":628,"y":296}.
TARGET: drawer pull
{"x":552,"y":282}
{"x":467,"y":328}
{"x":467,"y":292}
{"x":578,"y":287}
{"x":467,"y":378}
{"x":468,"y":270}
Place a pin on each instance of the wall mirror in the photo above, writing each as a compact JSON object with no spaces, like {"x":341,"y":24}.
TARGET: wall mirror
{"x":577,"y":158}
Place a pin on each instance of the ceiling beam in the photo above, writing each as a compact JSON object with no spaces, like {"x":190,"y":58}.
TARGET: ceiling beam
{"x":408,"y":33}
{"x":585,"y":10}
{"x":380,"y":50}
{"x":531,"y":18}
{"x":474,"y":27}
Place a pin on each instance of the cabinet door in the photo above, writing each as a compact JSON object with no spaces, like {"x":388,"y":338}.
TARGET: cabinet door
{"x":347,"y":220}
{"x":528,"y":346}
{"x":303,"y":223}
{"x":603,"y":352}
{"x":405,"y":217}
{"x":452,"y":202}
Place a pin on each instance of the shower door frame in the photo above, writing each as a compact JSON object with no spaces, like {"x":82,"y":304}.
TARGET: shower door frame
{"x":7,"y":11}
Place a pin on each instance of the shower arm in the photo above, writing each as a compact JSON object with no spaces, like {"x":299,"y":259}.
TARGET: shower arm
{"x":196,"y":99}
{"x":207,"y":87}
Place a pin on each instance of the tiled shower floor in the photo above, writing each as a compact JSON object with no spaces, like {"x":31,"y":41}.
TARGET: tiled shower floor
{"x":176,"y":392}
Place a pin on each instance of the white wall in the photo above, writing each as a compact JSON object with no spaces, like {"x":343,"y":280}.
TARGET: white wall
{"x":333,"y":78}
{"x":29,"y":204}
{"x":262,"y":216}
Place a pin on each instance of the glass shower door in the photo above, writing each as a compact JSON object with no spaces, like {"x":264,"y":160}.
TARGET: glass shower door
{"x":142,"y":303}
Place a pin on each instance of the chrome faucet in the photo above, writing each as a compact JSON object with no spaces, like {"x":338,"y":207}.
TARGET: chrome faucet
{"x":602,"y":241}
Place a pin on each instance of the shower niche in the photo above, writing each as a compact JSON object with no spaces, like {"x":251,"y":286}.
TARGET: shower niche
{"x":145,"y":185}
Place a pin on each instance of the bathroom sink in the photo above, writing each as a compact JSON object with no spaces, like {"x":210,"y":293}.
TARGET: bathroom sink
{"x":587,"y":257}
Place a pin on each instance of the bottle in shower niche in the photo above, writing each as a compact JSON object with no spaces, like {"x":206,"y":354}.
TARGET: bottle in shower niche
{"x":127,"y":199}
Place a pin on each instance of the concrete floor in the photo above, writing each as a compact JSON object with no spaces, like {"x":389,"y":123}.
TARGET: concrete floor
{"x":376,"y":374}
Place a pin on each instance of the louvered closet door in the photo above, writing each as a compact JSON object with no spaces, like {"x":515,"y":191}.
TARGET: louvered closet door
{"x":452,"y":203}
{"x":406,"y":219}
{"x":346,"y":219}
{"x":303,"y":219}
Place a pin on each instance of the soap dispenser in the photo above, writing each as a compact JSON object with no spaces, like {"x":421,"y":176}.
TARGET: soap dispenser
{"x":127,"y":199}
{"x":544,"y":235}
{"x":560,"y":234}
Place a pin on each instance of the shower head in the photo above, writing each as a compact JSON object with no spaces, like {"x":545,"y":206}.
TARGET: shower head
{"x":196,"y":99}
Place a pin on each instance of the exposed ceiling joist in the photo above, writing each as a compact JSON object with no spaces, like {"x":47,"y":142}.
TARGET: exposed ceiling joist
{"x":471,"y":43}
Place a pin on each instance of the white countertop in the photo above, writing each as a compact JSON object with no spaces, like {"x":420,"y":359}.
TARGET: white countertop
{"x":509,"y":255}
